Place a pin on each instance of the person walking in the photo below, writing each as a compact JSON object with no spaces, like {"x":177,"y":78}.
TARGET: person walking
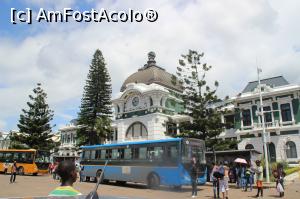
{"x":279,"y":175}
{"x":68,"y":174}
{"x":194,"y":175}
{"x":81,"y":177}
{"x":13,"y":172}
{"x":247,"y":177}
{"x":224,"y":169}
{"x":215,"y":180}
{"x":259,"y":176}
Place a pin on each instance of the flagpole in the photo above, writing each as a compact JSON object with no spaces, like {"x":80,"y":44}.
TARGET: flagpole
{"x":264,"y":128}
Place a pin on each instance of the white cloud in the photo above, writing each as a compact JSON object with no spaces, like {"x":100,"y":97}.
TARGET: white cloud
{"x":233,"y":34}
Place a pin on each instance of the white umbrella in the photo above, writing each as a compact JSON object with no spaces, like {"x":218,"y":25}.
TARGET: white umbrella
{"x":240,"y":160}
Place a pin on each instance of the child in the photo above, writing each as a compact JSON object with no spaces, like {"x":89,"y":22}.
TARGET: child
{"x":67,"y":172}
{"x":259,"y":173}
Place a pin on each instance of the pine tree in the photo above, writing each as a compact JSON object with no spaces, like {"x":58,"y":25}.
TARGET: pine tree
{"x":34,"y":123}
{"x":95,"y":104}
{"x":200,"y":101}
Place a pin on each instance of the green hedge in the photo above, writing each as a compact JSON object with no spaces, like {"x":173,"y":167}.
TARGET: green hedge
{"x":291,"y":170}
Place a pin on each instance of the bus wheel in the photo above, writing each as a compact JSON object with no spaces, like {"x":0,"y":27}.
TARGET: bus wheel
{"x":87,"y":178}
{"x":21,"y":171}
{"x":35,"y":174}
{"x":177,"y":187}
{"x":153,"y":181}
{"x":122,"y":183}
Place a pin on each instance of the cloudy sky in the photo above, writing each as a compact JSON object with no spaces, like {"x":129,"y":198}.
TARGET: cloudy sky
{"x":232,"y":33}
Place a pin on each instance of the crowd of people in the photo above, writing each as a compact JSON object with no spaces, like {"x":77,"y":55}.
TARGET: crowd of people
{"x":243,"y":175}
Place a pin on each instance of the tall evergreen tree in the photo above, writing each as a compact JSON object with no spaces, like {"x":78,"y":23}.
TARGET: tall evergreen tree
{"x":95,"y":103}
{"x":200,"y":101}
{"x":34,"y":123}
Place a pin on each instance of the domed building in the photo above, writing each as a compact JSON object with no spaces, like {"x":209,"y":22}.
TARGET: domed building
{"x":149,"y":105}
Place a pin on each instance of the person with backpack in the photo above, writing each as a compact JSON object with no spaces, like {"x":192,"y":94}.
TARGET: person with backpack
{"x":248,"y":174}
{"x":224,"y":171}
{"x":14,"y":169}
{"x":215,"y":180}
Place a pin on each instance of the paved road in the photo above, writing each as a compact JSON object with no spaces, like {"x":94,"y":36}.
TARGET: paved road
{"x":27,"y":186}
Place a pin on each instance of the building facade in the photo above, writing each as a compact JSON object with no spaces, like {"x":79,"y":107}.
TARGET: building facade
{"x":281,"y":114}
{"x":67,"y":149}
{"x":148,"y":106}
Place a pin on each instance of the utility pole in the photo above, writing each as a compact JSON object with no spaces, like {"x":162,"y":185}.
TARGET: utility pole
{"x":264,"y":128}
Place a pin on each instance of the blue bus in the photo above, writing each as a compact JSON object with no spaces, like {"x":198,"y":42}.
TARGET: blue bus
{"x":153,"y":162}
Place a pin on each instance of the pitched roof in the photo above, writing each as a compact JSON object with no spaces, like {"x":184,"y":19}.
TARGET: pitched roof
{"x":272,"y":82}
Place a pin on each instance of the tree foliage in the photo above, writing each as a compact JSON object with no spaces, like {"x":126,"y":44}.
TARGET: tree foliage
{"x":200,"y":102}
{"x":95,"y":104}
{"x":34,"y":123}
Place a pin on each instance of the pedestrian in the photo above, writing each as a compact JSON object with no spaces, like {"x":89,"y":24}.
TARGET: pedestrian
{"x":224,"y":188}
{"x":238,"y":175}
{"x":243,"y":177}
{"x":259,"y":178}
{"x":81,"y":169}
{"x":54,"y":171}
{"x":247,"y":178}
{"x":215,"y":180}
{"x":67,"y":172}
{"x":13,"y":172}
{"x":279,"y":175}
{"x":194,"y":175}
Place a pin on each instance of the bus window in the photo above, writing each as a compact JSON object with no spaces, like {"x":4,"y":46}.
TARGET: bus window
{"x":158,"y":152}
{"x":1,"y":157}
{"x":98,"y":154}
{"x":108,"y":154}
{"x":102,"y":157}
{"x":121,"y":153}
{"x":142,"y":153}
{"x":93,"y":154}
{"x":115,"y":154}
{"x":171,"y":152}
{"x":136,"y":153}
{"x":15,"y":156}
{"x":127,"y":154}
{"x":8,"y":156}
{"x":86,"y":155}
{"x":22,"y":157}
{"x":29,"y":157}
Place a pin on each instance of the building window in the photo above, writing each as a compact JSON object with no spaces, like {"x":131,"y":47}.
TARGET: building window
{"x":268,"y":114}
{"x":246,"y":114}
{"x":151,"y":101}
{"x":229,"y":121}
{"x":249,"y":146}
{"x":161,"y":102}
{"x":286,"y":113}
{"x":291,"y":150}
{"x":118,"y":109}
{"x":137,"y":129}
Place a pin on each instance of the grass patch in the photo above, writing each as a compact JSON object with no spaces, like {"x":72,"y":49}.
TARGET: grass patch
{"x":291,"y":170}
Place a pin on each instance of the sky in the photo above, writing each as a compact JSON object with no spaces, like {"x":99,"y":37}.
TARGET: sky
{"x":235,"y":35}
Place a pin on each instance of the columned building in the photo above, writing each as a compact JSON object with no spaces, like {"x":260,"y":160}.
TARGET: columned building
{"x":67,"y":148}
{"x":148,"y":105}
{"x":281,"y":114}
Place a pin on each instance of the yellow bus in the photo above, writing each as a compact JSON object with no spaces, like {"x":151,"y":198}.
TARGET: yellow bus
{"x":29,"y":161}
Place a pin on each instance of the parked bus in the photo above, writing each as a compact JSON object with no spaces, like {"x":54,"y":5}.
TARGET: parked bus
{"x":155,"y":162}
{"x":29,"y":161}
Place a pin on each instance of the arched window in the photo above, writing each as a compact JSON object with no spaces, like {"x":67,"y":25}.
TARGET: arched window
{"x":272,"y":152}
{"x":151,"y":101}
{"x":249,"y":146}
{"x":118,"y":109}
{"x":137,"y":129}
{"x":291,"y":151}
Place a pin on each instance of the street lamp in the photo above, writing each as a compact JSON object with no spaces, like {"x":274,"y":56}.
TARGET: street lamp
{"x":263,"y":127}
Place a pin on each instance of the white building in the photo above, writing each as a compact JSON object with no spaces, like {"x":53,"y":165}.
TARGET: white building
{"x":282,"y":119}
{"x":4,"y":140}
{"x":148,"y":105}
{"x":67,"y":148}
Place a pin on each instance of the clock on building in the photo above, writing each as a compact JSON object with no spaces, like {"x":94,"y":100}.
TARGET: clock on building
{"x":135,"y":101}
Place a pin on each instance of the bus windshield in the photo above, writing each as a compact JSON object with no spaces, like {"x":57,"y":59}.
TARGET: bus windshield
{"x":42,"y":157}
{"x":193,"y":148}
